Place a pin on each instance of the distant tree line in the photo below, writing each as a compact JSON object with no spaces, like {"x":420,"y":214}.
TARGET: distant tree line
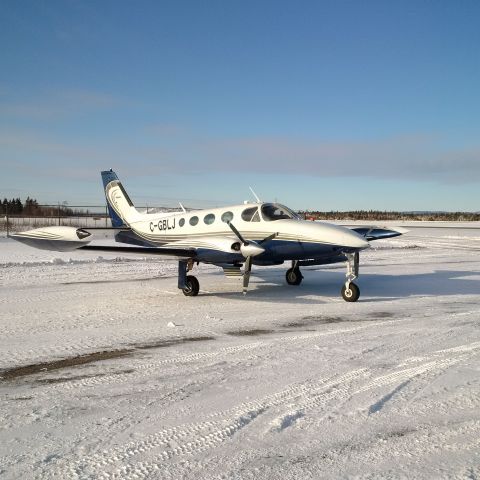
{"x":31,"y":208}
{"x":16,"y":207}
{"x":377,"y":215}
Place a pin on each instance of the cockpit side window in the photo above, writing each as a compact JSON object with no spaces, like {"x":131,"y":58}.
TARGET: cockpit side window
{"x":275,"y":211}
{"x":227,"y":217}
{"x":248,"y":215}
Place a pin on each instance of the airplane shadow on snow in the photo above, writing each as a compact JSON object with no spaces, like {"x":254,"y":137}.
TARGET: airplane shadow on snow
{"x":271,"y":286}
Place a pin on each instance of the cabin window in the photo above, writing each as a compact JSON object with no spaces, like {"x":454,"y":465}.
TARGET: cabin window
{"x":193,"y":221}
{"x":181,"y":222}
{"x":209,"y":219}
{"x":275,"y":211}
{"x":227,"y":217}
{"x":249,"y":214}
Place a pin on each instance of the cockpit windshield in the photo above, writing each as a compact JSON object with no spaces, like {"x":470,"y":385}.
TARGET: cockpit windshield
{"x":275,"y":211}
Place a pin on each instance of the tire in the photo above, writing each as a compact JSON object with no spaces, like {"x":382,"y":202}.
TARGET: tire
{"x":294,"y":276}
{"x":192,"y":286}
{"x":352,"y":294}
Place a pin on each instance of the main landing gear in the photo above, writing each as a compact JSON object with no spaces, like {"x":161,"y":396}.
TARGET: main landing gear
{"x":293,"y":275}
{"x":188,"y":284}
{"x":350,"y":291}
{"x":192,"y":286}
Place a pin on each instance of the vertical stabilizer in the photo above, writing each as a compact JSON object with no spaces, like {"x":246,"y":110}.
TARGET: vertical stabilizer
{"x":120,"y":207}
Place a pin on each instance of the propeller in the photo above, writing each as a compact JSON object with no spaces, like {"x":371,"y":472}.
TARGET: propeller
{"x":249,"y":249}
{"x":237,"y":233}
{"x":270,"y":237}
{"x":246,"y":274}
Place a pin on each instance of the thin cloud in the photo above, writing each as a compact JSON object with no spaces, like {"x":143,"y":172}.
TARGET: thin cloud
{"x":60,"y":104}
{"x":409,"y":158}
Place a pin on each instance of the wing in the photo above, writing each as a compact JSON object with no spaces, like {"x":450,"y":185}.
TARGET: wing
{"x":379,"y":233}
{"x":166,"y":251}
{"x":65,"y":239}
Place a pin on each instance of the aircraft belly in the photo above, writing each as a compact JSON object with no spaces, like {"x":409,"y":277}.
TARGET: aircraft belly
{"x":295,"y":250}
{"x":217,"y":256}
{"x":276,"y":251}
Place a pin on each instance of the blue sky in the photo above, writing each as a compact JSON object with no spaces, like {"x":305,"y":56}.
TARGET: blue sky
{"x":321,"y":105}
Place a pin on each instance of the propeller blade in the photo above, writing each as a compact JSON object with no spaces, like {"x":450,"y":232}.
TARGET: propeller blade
{"x":237,"y":233}
{"x":246,"y":274}
{"x":270,"y":237}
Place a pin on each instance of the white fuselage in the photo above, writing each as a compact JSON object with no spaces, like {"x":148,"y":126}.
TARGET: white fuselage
{"x":208,"y":228}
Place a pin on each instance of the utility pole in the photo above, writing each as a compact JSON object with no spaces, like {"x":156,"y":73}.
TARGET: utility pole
{"x":6,"y":218}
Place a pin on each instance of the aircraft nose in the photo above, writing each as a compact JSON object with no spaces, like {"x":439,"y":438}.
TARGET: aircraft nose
{"x":354,"y":240}
{"x":342,"y":236}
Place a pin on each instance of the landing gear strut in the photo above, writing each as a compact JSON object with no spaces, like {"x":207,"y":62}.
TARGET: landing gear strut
{"x":187,"y":283}
{"x":350,"y":291}
{"x":293,"y":275}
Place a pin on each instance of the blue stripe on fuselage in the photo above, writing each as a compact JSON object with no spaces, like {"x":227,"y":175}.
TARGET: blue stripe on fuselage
{"x":275,"y":251}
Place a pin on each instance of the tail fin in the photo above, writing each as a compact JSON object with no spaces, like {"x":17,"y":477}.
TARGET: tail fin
{"x":120,"y":207}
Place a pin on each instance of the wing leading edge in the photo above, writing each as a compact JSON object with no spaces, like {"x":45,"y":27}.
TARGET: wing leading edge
{"x":379,"y":233}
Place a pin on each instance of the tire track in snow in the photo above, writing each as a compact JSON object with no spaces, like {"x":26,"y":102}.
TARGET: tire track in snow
{"x":403,"y":377}
{"x":314,"y":398}
{"x":407,"y":374}
{"x":465,"y":348}
{"x":190,"y":439}
{"x":145,"y":369}
{"x":403,"y":450}
{"x":400,"y":378}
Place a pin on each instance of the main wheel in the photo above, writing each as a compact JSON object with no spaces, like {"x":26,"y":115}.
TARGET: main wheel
{"x":294,"y":276}
{"x":191,"y":286}
{"x":352,"y":294}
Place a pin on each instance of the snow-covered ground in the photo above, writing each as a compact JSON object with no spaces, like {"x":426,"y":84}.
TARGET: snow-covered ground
{"x":127,"y":378}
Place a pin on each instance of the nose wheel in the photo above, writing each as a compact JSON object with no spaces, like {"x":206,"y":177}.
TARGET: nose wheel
{"x":352,"y":293}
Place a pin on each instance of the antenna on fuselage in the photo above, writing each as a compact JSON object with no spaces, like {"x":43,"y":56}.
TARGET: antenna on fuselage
{"x":183,"y":208}
{"x":255,"y":195}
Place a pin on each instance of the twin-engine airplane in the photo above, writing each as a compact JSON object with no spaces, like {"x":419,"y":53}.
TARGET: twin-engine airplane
{"x":231,"y":237}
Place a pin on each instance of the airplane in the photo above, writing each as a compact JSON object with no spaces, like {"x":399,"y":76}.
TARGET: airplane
{"x":253,"y":233}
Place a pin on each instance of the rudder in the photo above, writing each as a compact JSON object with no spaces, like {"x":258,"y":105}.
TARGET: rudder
{"x":120,"y":207}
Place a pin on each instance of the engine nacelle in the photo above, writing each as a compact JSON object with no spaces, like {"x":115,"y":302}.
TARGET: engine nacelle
{"x":58,"y":239}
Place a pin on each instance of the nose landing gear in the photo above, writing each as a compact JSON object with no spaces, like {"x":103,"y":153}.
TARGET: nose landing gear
{"x":350,"y":291}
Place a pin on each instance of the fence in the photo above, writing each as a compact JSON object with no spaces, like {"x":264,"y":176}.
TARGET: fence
{"x":84,"y":216}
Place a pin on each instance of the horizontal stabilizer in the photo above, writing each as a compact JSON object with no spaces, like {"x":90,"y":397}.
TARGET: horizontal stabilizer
{"x":66,"y":239}
{"x":379,"y":233}
{"x":58,"y":239}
